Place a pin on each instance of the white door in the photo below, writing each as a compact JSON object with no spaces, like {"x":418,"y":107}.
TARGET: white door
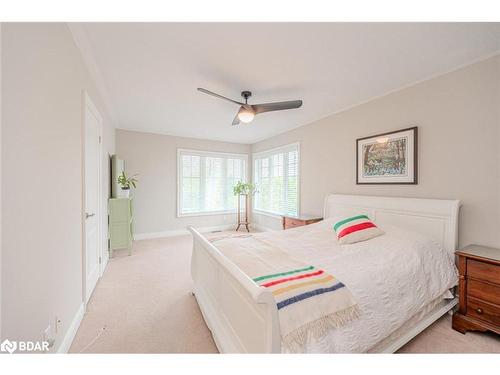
{"x":92,"y":213}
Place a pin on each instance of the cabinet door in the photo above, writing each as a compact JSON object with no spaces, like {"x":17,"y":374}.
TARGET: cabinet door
{"x":119,"y":234}
{"x":119,"y":210}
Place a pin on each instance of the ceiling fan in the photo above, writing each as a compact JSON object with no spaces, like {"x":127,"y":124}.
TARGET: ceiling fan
{"x":247,"y":112}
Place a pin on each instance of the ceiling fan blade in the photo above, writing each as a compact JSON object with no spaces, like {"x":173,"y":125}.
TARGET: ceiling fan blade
{"x":278,"y":106}
{"x":205,"y":91}
{"x":236,"y":120}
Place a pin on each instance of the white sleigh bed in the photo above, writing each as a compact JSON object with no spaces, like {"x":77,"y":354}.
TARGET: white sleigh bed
{"x":243,"y":317}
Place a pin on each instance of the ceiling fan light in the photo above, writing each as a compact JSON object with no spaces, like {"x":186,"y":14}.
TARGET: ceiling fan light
{"x":246,"y":116}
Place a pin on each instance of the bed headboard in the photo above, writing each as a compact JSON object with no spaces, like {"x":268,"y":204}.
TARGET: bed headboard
{"x":436,"y":218}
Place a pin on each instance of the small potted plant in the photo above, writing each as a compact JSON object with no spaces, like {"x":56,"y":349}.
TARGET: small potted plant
{"x":126,"y":183}
{"x":243,"y":189}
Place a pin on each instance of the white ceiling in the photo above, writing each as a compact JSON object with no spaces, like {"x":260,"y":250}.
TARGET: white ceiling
{"x":151,"y":71}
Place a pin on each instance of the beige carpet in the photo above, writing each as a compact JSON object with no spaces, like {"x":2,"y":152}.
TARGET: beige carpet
{"x":143,"y":304}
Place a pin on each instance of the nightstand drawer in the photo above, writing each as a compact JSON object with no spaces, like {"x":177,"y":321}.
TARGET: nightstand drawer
{"x":293,"y":222}
{"x":483,"y":291}
{"x":479,"y":290}
{"x":483,"y":271}
{"x":484,"y":311}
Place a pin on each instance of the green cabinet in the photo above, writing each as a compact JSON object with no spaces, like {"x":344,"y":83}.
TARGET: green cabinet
{"x":120,"y":224}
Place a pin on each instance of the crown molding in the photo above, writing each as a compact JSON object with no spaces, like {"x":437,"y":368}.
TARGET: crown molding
{"x":82,"y":42}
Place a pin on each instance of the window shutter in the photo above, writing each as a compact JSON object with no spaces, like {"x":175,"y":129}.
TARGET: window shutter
{"x":276,"y":175}
{"x":206,"y":181}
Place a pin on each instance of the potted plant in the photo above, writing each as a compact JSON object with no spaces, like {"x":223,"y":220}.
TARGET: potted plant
{"x":126,"y":183}
{"x":245,"y":189}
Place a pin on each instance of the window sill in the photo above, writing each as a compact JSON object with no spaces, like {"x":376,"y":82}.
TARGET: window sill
{"x":212,"y":213}
{"x":269,"y":214}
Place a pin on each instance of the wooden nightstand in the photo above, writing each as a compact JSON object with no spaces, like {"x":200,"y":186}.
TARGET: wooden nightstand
{"x":479,"y":290}
{"x":299,"y":221}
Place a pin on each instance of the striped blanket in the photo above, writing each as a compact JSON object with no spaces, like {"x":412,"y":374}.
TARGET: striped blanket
{"x":309,"y":299}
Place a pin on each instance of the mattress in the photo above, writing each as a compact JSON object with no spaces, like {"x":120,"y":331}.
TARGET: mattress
{"x":393,"y":277}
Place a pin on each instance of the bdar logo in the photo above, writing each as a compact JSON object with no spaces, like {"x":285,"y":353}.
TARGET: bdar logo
{"x":8,"y":346}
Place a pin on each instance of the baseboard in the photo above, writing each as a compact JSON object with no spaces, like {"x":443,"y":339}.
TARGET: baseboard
{"x":180,"y":232}
{"x":166,"y":233}
{"x":266,"y":222}
{"x":104,"y":263}
{"x":71,"y":333}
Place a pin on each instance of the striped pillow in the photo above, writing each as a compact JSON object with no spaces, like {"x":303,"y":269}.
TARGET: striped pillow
{"x":355,"y":229}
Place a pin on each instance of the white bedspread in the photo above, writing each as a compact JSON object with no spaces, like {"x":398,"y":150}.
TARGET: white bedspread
{"x":392,"y":277}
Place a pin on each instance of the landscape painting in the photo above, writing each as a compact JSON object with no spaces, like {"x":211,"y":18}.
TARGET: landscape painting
{"x":389,"y":158}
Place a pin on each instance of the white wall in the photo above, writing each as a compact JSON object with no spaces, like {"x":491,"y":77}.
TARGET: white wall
{"x":458,"y":119}
{"x":1,"y":126}
{"x":154,"y":158}
{"x":42,"y":177}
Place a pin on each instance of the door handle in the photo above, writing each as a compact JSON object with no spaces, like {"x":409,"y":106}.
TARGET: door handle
{"x":87,"y":215}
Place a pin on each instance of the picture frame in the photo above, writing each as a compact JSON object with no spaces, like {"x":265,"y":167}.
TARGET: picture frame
{"x":388,"y":158}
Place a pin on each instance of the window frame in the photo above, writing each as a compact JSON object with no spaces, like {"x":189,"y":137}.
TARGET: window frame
{"x":268,"y":152}
{"x":203,"y":153}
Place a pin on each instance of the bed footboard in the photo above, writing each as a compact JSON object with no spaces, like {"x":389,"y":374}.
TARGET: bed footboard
{"x":242,"y":316}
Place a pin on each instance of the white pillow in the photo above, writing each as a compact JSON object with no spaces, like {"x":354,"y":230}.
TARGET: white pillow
{"x":356,"y":229}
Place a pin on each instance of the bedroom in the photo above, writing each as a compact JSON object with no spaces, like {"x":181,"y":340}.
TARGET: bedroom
{"x":331,"y":188}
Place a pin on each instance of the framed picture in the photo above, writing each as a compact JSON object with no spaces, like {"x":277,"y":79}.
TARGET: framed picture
{"x":389,"y":158}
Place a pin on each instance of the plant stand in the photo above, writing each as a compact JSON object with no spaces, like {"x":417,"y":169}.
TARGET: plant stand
{"x":240,"y":222}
